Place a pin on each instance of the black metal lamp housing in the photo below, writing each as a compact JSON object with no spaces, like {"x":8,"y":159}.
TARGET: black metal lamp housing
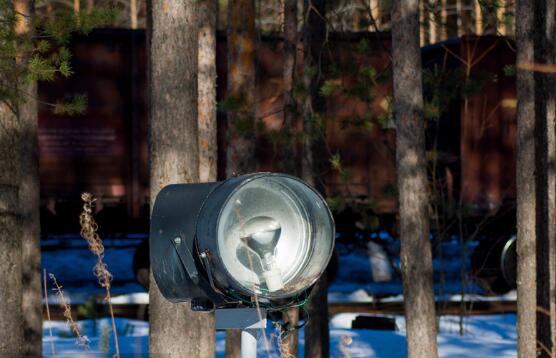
{"x":264,"y":235}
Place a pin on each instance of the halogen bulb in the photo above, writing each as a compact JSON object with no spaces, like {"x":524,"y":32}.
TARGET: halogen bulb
{"x":261,"y":236}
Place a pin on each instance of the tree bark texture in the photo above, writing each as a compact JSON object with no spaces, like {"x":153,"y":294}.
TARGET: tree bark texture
{"x":240,"y":134}
{"x":233,"y":343}
{"x":315,"y":159}
{"x":289,"y":106}
{"x":525,"y":184}
{"x":208,"y":10}
{"x":416,"y":256}
{"x":288,"y":152}
{"x":545,"y":184}
{"x":240,"y":151}
{"x":11,"y":322}
{"x":289,"y":346}
{"x":317,"y":334}
{"x":174,"y":158}
{"x":29,"y":199}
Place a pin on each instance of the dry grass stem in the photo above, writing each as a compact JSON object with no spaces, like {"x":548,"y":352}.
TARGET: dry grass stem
{"x":81,"y":339}
{"x":345,"y":342}
{"x":89,"y":232}
{"x":283,"y":345}
{"x":48,"y":316}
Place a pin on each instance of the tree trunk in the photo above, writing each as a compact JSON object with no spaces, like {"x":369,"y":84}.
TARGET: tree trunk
{"x":29,"y":199}
{"x":314,"y":159}
{"x":545,"y":184}
{"x":11,"y":322}
{"x":317,"y":334}
{"x":290,"y":343}
{"x":233,"y":343}
{"x":240,"y":151}
{"x":525,"y":184}
{"x":208,"y":10}
{"x":291,"y":316}
{"x":240,"y":142}
{"x":174,"y":158}
{"x":416,"y":257}
{"x":289,"y":105}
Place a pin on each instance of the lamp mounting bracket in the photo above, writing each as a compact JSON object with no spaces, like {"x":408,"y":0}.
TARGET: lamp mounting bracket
{"x":186,"y":259}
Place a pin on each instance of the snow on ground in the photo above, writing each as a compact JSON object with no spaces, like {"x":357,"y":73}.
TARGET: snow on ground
{"x":68,"y":258}
{"x":484,"y":336}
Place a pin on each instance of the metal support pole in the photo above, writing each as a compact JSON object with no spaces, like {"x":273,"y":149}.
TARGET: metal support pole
{"x":249,"y":343}
{"x":246,"y":319}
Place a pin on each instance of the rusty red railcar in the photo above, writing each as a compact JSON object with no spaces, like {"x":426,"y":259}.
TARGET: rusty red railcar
{"x":105,"y":150}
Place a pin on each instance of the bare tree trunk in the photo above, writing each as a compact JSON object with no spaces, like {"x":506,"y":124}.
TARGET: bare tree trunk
{"x":317,"y":334}
{"x":11,"y":323}
{"x":416,"y":256}
{"x":289,"y":105}
{"x":545,"y":185}
{"x":289,"y":346}
{"x":174,"y":158}
{"x":240,"y":151}
{"x":208,"y":10}
{"x":314,"y":160}
{"x":233,"y":343}
{"x":525,"y":184}
{"x":240,"y":146}
{"x":291,"y":316}
{"x":29,"y":199}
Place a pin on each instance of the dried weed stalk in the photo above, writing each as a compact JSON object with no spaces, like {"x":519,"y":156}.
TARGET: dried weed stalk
{"x":345,"y":342}
{"x":89,"y":232}
{"x":48,"y":316}
{"x":81,"y":339}
{"x":283,"y":345}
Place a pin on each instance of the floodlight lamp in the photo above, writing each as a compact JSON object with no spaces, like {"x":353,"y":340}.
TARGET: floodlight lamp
{"x":221,"y":244}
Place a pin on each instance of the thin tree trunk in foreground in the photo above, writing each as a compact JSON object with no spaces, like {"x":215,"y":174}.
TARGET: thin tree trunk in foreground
{"x":416,"y":256}
{"x":233,"y":343}
{"x":11,"y":322}
{"x":314,"y":160}
{"x":174,"y":158}
{"x":545,"y":185}
{"x":291,"y":316}
{"x":525,"y":185}
{"x":208,"y":151}
{"x":240,"y":134}
{"x":290,"y":53}
{"x":29,"y":199}
{"x":317,"y":334}
{"x":240,"y":151}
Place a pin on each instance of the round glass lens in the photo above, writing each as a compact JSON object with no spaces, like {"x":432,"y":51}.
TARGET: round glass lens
{"x":275,"y":235}
{"x":264,"y":233}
